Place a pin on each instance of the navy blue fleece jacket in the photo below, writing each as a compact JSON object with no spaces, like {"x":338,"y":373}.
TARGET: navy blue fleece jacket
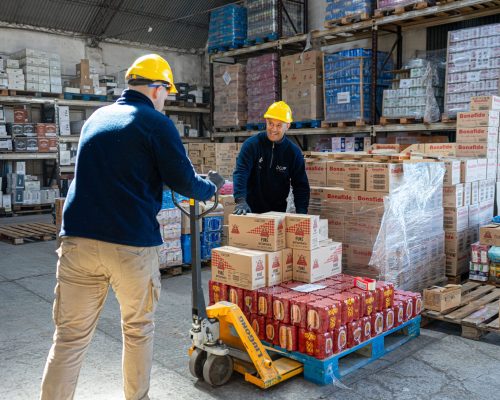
{"x":264,"y":172}
{"x":127,"y":151}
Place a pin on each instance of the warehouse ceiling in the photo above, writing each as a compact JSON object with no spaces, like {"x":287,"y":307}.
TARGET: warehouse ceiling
{"x":181,"y":24}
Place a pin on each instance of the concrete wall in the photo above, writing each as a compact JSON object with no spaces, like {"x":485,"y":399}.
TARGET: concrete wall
{"x":108,"y":59}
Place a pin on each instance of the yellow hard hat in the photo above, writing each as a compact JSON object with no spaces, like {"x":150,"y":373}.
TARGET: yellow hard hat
{"x":279,"y":110}
{"x":153,"y":67}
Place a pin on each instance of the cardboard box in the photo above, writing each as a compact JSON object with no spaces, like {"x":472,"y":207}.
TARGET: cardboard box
{"x":477,"y":150}
{"x":452,"y":172}
{"x":480,"y":134}
{"x":474,"y":193}
{"x":316,"y":172}
{"x":257,"y":231}
{"x":477,"y":118}
{"x":456,"y":242}
{"x":440,"y":149}
{"x":483,"y":103}
{"x":490,"y":235}
{"x":287,"y":264}
{"x":354,"y":176}
{"x":467,"y":193}
{"x":245,"y":269}
{"x":383,"y":177}
{"x":468,"y":171}
{"x":457,"y":263}
{"x":335,"y":174}
{"x":453,"y":196}
{"x":302,"y":231}
{"x":228,"y":205}
{"x":486,"y":209}
{"x":440,"y":299}
{"x":274,"y":268}
{"x":456,"y":219}
{"x":473,"y":214}
{"x":482,"y":169}
{"x":491,"y":168}
{"x":313,"y":265}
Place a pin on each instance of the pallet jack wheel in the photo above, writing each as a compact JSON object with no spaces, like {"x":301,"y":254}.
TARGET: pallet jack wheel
{"x":217,"y":369}
{"x":196,"y":363}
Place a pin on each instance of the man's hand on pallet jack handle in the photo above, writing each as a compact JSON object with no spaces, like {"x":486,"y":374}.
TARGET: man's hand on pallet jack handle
{"x":216,"y":179}
{"x":242,"y":207}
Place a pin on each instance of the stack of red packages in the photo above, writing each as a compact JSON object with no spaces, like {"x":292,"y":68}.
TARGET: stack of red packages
{"x":324,"y":320}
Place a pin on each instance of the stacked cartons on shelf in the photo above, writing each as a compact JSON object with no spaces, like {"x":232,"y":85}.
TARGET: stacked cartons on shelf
{"x":230,"y":101}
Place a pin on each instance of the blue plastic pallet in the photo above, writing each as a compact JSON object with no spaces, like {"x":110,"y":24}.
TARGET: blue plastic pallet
{"x":85,"y":97}
{"x":256,"y":127}
{"x":329,"y":370}
{"x":305,"y":124}
{"x":259,"y":40}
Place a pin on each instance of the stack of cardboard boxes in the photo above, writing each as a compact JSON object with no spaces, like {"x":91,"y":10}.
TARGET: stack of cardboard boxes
{"x":5,"y":138}
{"x":42,"y":70}
{"x":170,"y":229}
{"x":11,"y":75}
{"x":220,"y":157}
{"x":83,"y":82}
{"x":230,"y":96}
{"x":302,"y":85}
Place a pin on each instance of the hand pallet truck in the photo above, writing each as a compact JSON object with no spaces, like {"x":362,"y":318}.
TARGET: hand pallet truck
{"x":222,"y":338}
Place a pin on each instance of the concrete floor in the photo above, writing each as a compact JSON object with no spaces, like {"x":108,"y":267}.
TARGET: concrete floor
{"x":437,"y":365}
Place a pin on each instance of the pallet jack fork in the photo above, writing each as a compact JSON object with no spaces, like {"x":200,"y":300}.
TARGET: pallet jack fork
{"x":223,"y":340}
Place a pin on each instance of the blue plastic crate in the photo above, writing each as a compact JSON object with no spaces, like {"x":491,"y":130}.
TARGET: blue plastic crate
{"x":212,"y":223}
{"x":227,"y":28}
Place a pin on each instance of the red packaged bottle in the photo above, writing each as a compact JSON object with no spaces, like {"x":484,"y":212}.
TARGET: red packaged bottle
{"x":326,"y":292}
{"x":217,"y":292}
{"x":353,"y":303}
{"x":367,"y":300}
{"x":398,"y":313}
{"x":298,"y":309}
{"x":377,"y":320}
{"x":237,"y":296}
{"x":366,"y":328}
{"x":307,"y":341}
{"x":354,"y":334}
{"x":339,"y":339}
{"x":323,"y":346}
{"x":387,"y":295}
{"x":416,"y":299}
{"x":302,"y":340}
{"x":272,"y":331}
{"x":281,"y":305}
{"x":288,"y":337}
{"x":258,"y":323}
{"x":265,"y":300}
{"x":250,"y":301}
{"x":388,"y":319}
{"x":323,"y":315}
{"x":407,"y":306}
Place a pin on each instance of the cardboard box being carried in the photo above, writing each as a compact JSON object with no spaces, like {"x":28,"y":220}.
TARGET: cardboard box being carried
{"x":241,"y":268}
{"x":440,"y":299}
{"x":313,"y":265}
{"x":257,"y":231}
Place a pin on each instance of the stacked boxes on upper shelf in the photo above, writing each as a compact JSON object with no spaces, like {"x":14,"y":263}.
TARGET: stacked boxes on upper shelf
{"x":262,"y":85}
{"x":11,"y":76}
{"x":5,"y":138}
{"x":227,"y":28}
{"x":473,"y":66}
{"x":42,"y":70}
{"x":220,"y":157}
{"x":348,"y":85}
{"x":83,"y":80}
{"x":302,"y":84}
{"x":338,"y":9}
{"x":230,"y":101}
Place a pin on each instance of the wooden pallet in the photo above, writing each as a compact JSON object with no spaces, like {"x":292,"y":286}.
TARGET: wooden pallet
{"x":32,"y":209}
{"x":457,"y":280}
{"x":347,"y":20}
{"x":4,"y":92}
{"x":448,"y":118}
{"x":33,"y":93}
{"x":331,"y":369}
{"x":229,"y":128}
{"x":477,"y":314}
{"x":344,"y":124}
{"x":398,"y":10}
{"x":402,"y":120}
{"x":25,"y":233}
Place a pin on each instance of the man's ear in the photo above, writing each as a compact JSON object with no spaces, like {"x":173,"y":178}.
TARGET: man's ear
{"x":154,"y":93}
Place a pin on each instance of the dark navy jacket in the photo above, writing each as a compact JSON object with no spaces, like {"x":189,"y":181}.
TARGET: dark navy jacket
{"x":264,"y":172}
{"x":127,"y":151}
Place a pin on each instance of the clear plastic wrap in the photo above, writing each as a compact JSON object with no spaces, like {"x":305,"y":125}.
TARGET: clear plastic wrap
{"x":396,"y":236}
{"x":263,"y":19}
{"x":337,"y":9}
{"x":347,"y":95}
{"x":390,"y":4}
{"x":473,"y":66}
{"x":419,"y":90}
{"x":228,"y":27}
{"x":230,"y":100}
{"x":262,"y":85}
{"x":409,"y":249}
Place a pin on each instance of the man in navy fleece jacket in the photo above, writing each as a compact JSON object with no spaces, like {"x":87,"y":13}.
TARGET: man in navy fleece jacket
{"x":110,"y":235}
{"x":268,"y":164}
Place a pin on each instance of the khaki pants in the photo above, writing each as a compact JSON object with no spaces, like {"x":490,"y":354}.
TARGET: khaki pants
{"x":85,"y":270}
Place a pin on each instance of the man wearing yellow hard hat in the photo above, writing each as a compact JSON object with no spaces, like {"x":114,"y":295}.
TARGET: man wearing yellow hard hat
{"x":110,"y":235}
{"x":268,"y":165}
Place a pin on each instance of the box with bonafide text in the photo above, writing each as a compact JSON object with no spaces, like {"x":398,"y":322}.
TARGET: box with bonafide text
{"x":477,"y":150}
{"x":478,"y":134}
{"x":482,"y":103}
{"x":316,"y":172}
{"x":477,"y":118}
{"x":313,"y":265}
{"x":440,"y":149}
{"x":452,"y":172}
{"x":335,"y":174}
{"x":453,"y":196}
{"x":257,"y":231}
{"x":354,"y":176}
{"x":241,"y":268}
{"x":383,"y":177}
{"x":456,"y":219}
